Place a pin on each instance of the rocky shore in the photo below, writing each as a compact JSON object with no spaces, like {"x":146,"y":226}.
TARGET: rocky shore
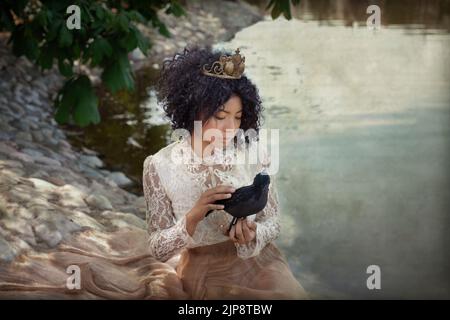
{"x":47,"y":189}
{"x":50,"y":191}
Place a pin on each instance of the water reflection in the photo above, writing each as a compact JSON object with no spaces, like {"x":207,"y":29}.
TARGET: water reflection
{"x":364,"y":121}
{"x":132,"y":127}
{"x":419,"y":15}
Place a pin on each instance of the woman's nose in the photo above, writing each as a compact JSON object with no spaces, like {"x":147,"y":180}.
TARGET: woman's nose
{"x":230,"y":125}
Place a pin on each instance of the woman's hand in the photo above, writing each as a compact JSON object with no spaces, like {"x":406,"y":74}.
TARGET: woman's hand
{"x":206,"y":203}
{"x":244,"y":231}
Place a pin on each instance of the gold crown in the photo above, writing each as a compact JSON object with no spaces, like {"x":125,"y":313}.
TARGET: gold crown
{"x":228,"y":67}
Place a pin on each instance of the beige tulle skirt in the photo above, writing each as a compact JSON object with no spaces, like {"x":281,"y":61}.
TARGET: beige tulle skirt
{"x":117,"y":266}
{"x":216,"y":272}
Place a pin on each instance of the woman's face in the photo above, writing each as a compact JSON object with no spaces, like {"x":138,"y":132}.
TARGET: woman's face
{"x":227,"y":120}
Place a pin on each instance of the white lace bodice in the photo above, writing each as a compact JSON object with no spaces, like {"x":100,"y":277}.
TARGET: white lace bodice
{"x":171,"y":189}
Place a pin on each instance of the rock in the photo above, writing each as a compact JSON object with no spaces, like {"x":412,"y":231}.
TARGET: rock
{"x":7,"y":253}
{"x":10,"y":164}
{"x":68,"y":155}
{"x":32,"y":152}
{"x":92,"y":161}
{"x":22,"y":125}
{"x":6,"y":148}
{"x":6,"y":135}
{"x":56,"y":181}
{"x":58,"y":220}
{"x":42,"y":185}
{"x":37,"y":201}
{"x":21,"y":156}
{"x":33,"y":124}
{"x":24,"y":136}
{"x":137,"y":54}
{"x":22,"y":227}
{"x":121,"y":219}
{"x":51,"y":237}
{"x":37,"y":136}
{"x":92,"y":173}
{"x":51,"y":141}
{"x":71,"y":196}
{"x":40,"y":174}
{"x":99,"y":202}
{"x":46,"y":160}
{"x":64,"y":145}
{"x":23,"y":213}
{"x":85,"y":220}
{"x":48,"y":134}
{"x":89,"y":151}
{"x":120,"y":179}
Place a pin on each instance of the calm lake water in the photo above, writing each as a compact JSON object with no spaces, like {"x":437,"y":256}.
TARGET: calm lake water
{"x":364,"y":120}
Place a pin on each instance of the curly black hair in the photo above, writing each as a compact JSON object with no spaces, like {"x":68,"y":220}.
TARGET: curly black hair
{"x":186,"y":94}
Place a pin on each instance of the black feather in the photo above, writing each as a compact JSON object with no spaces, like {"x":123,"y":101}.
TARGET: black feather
{"x":247,"y":200}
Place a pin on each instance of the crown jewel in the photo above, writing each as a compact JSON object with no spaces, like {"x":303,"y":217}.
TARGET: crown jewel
{"x":228,"y":67}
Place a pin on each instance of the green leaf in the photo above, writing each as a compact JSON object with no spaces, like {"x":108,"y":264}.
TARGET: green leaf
{"x":161,"y":27}
{"x":46,"y":56}
{"x":176,"y":9}
{"x":99,"y":49}
{"x":54,"y":30}
{"x":77,"y":101}
{"x":65,"y":67}
{"x":24,"y":43}
{"x":117,"y":75}
{"x":143,"y":42}
{"x":164,"y":31}
{"x":65,"y":36}
{"x":136,"y":16}
{"x":281,"y":7}
{"x":122,"y":22}
{"x":76,"y":51}
{"x":86,"y":111}
{"x":99,"y":12}
{"x":128,"y":41}
{"x":41,"y":18}
{"x":271,"y":3}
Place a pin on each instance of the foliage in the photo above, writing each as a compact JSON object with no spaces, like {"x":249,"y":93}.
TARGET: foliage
{"x":108,"y":33}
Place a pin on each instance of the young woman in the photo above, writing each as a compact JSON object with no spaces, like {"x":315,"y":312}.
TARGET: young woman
{"x":209,"y":86}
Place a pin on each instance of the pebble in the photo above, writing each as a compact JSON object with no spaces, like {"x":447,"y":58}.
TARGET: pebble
{"x":7,"y":253}
{"x":92,"y":161}
{"x":99,"y":202}
{"x":51,"y":237}
{"x":120,"y":179}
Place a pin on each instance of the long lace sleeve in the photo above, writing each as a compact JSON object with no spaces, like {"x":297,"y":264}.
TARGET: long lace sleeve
{"x":267,"y":220}
{"x":267,"y":226}
{"x":166,"y":235}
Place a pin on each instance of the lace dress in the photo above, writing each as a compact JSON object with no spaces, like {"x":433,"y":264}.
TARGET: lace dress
{"x":209,"y":264}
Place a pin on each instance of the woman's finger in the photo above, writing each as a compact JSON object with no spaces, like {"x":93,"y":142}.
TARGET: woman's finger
{"x":251,"y":224}
{"x":232,"y":234}
{"x":246,"y":230}
{"x":219,"y":189}
{"x":239,"y":233}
